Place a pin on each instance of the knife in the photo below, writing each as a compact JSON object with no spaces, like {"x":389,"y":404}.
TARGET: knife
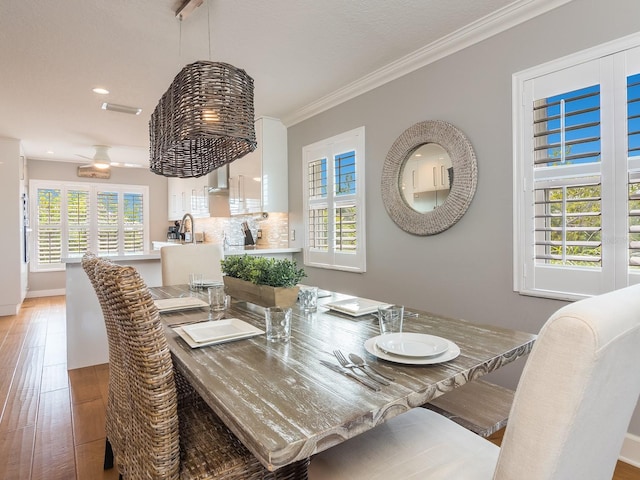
{"x":350,"y":374}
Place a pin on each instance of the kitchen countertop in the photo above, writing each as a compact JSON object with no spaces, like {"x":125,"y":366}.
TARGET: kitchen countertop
{"x":155,"y":254}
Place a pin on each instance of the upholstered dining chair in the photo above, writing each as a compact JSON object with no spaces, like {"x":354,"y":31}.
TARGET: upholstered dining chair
{"x":179,"y":261}
{"x":170,"y":433}
{"x":570,"y":412}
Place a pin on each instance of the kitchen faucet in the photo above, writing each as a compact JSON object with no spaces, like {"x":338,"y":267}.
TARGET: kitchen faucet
{"x":183,"y":229}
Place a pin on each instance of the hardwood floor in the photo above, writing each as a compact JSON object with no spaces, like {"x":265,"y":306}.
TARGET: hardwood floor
{"x":52,"y":422}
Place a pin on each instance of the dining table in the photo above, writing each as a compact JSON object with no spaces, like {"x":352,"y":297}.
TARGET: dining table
{"x":285,"y":405}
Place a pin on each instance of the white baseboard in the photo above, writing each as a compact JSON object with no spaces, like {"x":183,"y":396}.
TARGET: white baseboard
{"x":46,"y":293}
{"x":630,"y":452}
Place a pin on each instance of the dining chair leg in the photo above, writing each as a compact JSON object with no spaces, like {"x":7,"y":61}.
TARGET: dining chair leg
{"x":108,"y":455}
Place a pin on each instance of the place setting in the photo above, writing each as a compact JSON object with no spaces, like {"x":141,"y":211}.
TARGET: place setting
{"x":407,"y":348}
{"x":215,"y":329}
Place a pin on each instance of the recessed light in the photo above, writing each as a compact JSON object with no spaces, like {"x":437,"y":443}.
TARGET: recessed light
{"x":114,"y":107}
{"x":101,"y":91}
{"x":50,"y":152}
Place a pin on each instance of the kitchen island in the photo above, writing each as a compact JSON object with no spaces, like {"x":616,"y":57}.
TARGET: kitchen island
{"x":86,"y":333}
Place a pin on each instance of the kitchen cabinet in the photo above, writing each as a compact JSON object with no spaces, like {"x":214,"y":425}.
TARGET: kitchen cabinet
{"x":258,"y":181}
{"x":188,"y":195}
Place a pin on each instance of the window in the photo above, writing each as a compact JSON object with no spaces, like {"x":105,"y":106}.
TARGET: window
{"x":70,"y":219}
{"x":577,"y":174}
{"x":334,"y":214}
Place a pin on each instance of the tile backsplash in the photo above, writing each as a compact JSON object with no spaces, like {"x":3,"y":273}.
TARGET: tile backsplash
{"x":274,"y":228}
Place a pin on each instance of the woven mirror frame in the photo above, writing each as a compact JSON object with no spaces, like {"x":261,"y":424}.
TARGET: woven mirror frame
{"x":465,"y":172}
{"x":203,"y":121}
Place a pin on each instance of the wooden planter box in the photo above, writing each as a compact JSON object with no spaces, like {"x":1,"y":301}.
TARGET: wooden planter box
{"x":262,"y":295}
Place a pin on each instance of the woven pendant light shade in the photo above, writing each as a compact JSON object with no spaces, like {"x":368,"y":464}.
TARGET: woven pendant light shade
{"x":203,"y":121}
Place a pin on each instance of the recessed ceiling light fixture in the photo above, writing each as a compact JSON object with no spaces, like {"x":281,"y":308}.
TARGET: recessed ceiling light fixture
{"x":114,"y":107}
{"x":101,"y":91}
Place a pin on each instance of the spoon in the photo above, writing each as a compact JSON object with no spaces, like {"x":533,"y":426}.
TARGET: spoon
{"x":359,"y":361}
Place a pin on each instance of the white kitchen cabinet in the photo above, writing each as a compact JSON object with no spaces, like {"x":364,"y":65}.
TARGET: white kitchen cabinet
{"x":432,"y":174}
{"x":258,"y":181}
{"x":425,"y":178}
{"x":188,"y":195}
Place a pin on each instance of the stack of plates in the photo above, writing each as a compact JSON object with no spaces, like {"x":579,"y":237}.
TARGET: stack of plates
{"x":356,"y":306}
{"x":214,"y":332}
{"x":412,"y":348}
{"x":179,"y":303}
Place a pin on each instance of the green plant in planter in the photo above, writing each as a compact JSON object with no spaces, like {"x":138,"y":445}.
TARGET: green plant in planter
{"x":262,"y":270}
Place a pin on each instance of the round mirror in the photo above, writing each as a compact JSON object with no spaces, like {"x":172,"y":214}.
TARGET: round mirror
{"x":429,"y":177}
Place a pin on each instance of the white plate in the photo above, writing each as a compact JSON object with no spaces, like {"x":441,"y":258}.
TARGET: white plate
{"x":412,"y":344}
{"x":218,"y":329}
{"x":179,"y":303}
{"x":452,"y":352}
{"x":227,"y":330}
{"x":355,"y":306}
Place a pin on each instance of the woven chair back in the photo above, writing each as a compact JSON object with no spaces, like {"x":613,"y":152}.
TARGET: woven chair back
{"x":145,"y":393}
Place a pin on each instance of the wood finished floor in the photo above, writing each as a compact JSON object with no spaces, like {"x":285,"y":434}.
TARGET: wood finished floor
{"x":52,"y":422}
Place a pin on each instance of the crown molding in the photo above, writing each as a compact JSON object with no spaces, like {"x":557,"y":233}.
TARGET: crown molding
{"x":507,"y":17}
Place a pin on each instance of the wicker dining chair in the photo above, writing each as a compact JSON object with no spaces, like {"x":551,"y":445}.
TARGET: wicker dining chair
{"x":170,"y":432}
{"x":117,"y":402}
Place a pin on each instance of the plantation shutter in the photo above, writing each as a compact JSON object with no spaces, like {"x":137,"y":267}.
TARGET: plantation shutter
{"x":49,"y":227}
{"x":107,"y":220}
{"x":577,"y":173}
{"x":78,"y":222}
{"x":133,"y":223}
{"x":633,"y":152}
{"x":334,"y":202}
{"x":563,"y":219}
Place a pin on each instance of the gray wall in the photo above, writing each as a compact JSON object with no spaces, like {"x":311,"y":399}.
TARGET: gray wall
{"x":465,"y":271}
{"x":47,"y":170}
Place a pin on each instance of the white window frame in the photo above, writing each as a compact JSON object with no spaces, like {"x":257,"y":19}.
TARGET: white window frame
{"x":609,"y":64}
{"x":353,"y":140}
{"x":93,"y":189}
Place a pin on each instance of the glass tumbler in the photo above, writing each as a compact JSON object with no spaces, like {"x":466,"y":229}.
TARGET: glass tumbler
{"x":390,"y":318}
{"x":278,"y":323}
{"x":218,"y":301}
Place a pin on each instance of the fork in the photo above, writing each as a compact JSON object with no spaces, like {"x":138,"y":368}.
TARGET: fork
{"x":347,"y":364}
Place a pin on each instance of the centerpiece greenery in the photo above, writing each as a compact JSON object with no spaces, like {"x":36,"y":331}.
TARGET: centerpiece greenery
{"x":261,"y":280}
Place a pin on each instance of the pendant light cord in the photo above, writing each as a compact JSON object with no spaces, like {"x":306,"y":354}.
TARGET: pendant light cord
{"x":209,"y":27}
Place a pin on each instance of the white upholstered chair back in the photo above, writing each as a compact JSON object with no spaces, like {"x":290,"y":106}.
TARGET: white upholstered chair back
{"x":577,"y":392}
{"x":179,"y":261}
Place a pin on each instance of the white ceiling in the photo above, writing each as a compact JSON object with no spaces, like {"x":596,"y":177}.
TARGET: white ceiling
{"x":304,"y":56}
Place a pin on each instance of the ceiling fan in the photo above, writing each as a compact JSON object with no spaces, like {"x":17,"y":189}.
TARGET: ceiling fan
{"x":100,"y":164}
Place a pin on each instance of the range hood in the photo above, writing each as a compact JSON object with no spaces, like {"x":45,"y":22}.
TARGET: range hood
{"x":219,"y":180}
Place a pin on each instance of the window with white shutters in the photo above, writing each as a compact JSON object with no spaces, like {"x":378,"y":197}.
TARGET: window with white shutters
{"x":70,"y":219}
{"x":49,"y":220}
{"x":333,"y":174}
{"x":577,"y":174}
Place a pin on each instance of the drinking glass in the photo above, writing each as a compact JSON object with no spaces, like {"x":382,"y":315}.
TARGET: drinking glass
{"x":195,"y":281}
{"x":308,"y":297}
{"x":390,"y":318}
{"x":278,"y":323}
{"x":218,"y":301}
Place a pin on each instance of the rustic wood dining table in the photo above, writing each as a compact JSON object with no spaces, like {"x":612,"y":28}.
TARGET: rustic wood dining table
{"x":284,"y":405}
